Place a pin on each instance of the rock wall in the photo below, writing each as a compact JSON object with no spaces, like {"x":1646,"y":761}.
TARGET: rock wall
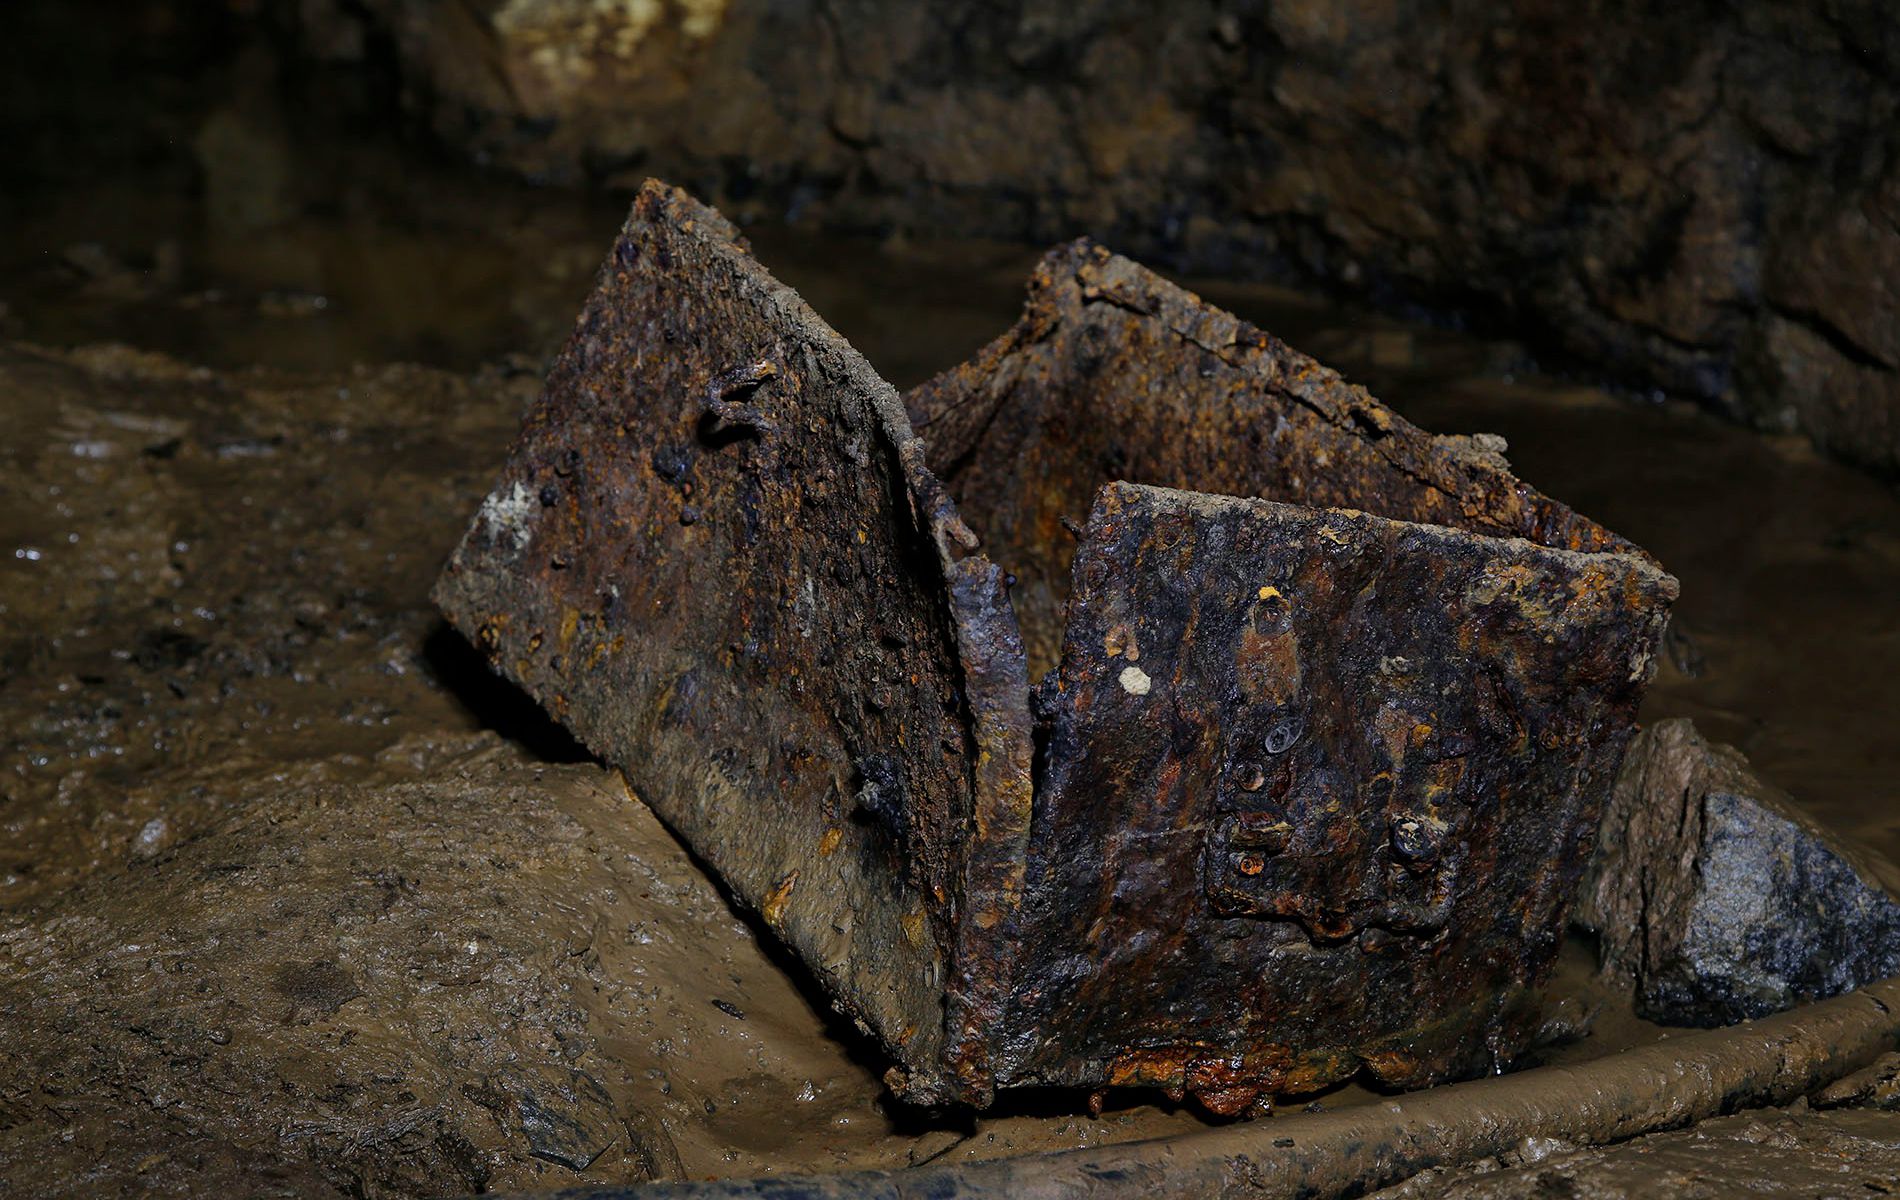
{"x":1702,"y":197}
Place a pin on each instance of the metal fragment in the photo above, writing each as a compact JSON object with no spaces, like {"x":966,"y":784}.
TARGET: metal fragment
{"x":1331,"y":704}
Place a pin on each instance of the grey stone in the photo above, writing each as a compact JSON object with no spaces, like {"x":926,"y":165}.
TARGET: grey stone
{"x":566,"y":1115}
{"x":1717,"y":900}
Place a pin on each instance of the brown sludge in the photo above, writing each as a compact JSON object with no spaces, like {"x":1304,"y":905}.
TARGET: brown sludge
{"x":1319,"y":1156}
{"x":1274,"y":793}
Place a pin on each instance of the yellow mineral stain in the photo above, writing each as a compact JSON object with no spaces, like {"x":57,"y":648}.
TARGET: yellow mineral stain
{"x":701,"y":18}
{"x":561,"y":39}
{"x":828,"y":844}
{"x":777,"y":899}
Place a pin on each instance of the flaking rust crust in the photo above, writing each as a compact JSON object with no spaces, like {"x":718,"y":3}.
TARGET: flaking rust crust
{"x":716,"y":556}
{"x":1115,"y":374}
{"x":1354,"y":786}
{"x":1315,"y":785}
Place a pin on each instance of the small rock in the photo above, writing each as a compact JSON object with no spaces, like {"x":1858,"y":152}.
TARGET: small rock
{"x":1717,"y":900}
{"x":566,"y":1115}
{"x":153,"y":837}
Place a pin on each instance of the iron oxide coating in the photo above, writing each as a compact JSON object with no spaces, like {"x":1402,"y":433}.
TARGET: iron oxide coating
{"x":1328,"y":708}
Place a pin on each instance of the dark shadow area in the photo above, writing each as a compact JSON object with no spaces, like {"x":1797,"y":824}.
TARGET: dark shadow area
{"x":910,"y":1120}
{"x":461,"y":670}
{"x":859,"y":1046}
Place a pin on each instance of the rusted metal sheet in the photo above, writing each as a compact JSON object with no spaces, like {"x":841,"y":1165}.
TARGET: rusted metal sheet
{"x":715,"y":555}
{"x":1339,"y":762}
{"x":1315,"y":783}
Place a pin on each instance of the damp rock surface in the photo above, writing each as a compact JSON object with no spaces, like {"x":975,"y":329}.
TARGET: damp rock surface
{"x":1717,"y":900}
{"x":210,"y":587}
{"x":490,"y":974}
{"x":1703,"y":199}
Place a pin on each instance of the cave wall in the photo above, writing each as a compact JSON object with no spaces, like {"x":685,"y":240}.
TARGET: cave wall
{"x":1701,"y":197}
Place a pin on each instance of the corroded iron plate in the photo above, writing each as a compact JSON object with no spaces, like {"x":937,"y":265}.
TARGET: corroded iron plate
{"x":1314,"y":786}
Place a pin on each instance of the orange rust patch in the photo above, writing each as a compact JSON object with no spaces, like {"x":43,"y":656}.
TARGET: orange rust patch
{"x":1392,"y":1066}
{"x":776,"y":900}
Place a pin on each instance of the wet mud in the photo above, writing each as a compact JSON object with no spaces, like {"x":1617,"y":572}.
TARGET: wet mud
{"x":1774,"y":1152}
{"x":260,"y":803}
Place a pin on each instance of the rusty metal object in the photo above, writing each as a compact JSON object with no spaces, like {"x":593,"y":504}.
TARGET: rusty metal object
{"x":715,"y":554}
{"x":1315,"y":784}
{"x":1320,"y":779}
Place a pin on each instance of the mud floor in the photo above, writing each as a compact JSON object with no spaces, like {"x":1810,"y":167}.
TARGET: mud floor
{"x":1775,"y":1152}
{"x":299,"y":899}
{"x":296,"y":899}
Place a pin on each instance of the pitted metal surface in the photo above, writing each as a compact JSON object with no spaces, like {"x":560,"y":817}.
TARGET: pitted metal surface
{"x":1331,"y":704}
{"x":716,"y":556}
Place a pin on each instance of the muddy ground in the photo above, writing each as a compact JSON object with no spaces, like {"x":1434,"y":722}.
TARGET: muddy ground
{"x":299,"y":900}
